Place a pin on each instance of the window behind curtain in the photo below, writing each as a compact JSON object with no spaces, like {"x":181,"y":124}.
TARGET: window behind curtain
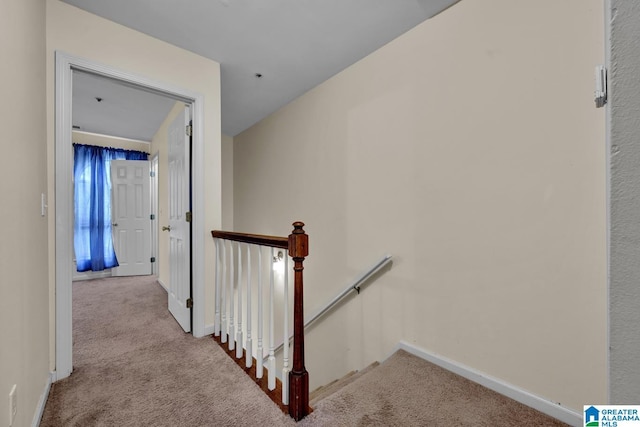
{"x":93,"y":241}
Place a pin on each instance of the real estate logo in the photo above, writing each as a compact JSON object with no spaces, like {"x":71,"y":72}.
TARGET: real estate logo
{"x":592,"y":417}
{"x":611,"y":415}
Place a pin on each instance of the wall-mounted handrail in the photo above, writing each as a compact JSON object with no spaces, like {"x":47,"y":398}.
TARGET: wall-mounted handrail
{"x":354,"y":286}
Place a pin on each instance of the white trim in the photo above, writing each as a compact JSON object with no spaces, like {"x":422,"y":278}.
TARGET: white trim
{"x":77,"y":276}
{"x":155,"y":246}
{"x":65,"y":63}
{"x":37,"y":416}
{"x":64,"y":215}
{"x":90,"y":275}
{"x":163,"y":285}
{"x":198,"y":217}
{"x":117,"y":138}
{"x":209,"y":330}
{"x":536,"y":402}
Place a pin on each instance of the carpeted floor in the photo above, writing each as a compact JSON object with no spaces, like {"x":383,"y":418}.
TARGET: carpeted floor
{"x":133,"y":366}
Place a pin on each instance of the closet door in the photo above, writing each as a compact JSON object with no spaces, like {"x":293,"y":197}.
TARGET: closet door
{"x":131,"y":217}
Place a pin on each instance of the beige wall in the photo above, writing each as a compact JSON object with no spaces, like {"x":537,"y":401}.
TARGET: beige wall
{"x":159,"y":146}
{"x":227,"y":182}
{"x":470,"y":149}
{"x":24,"y":295}
{"x":82,"y":34}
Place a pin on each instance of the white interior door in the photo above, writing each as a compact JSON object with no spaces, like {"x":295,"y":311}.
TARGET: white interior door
{"x":179,"y":221}
{"x":130,"y":213}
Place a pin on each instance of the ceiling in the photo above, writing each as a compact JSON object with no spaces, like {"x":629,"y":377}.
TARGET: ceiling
{"x":104,"y":106}
{"x":293,"y":45}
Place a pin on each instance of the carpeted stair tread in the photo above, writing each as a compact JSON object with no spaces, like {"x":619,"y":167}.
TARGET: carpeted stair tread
{"x":328,"y":389}
{"x":408,"y":391}
{"x":320,"y":390}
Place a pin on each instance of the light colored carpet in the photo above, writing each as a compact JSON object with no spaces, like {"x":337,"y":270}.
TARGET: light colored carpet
{"x":408,"y":391}
{"x":133,"y":366}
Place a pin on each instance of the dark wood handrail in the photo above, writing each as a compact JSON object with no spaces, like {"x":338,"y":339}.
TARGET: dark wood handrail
{"x":298,"y":246}
{"x":254,"y":239}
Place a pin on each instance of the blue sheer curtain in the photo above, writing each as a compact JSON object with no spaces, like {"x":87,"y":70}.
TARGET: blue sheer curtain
{"x":92,"y":196}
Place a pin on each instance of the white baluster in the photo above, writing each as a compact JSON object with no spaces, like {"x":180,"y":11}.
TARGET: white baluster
{"x":216,"y":320}
{"x":249,"y":343}
{"x":232,"y":341}
{"x":285,"y":349}
{"x":223,"y":321}
{"x":260,"y":350}
{"x":239,"y":325}
{"x":272,"y":357}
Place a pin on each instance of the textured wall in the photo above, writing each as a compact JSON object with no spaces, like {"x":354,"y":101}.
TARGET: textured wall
{"x":624,"y":294}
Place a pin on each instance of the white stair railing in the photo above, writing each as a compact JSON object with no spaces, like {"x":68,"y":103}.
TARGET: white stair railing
{"x":249,"y":343}
{"x":242,"y":313}
{"x":238,"y":315}
{"x":260,"y":349}
{"x":272,"y":342}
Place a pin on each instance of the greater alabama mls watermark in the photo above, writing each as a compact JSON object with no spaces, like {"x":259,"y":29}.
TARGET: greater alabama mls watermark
{"x":611,"y":415}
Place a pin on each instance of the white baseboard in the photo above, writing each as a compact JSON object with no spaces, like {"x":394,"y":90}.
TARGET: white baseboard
{"x":163,"y":285}
{"x":37,"y":417}
{"x":88,"y":275}
{"x":536,"y":402}
{"x":209,"y":330}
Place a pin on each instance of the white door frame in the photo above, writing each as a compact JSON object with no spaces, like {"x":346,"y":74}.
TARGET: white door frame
{"x":153,"y":165}
{"x":65,"y":63}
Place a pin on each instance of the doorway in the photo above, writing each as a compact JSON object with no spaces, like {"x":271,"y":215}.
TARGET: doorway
{"x":65,"y":65}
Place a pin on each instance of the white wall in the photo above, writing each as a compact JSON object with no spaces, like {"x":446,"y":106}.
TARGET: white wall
{"x":24,"y":310}
{"x":470,"y":149}
{"x":82,"y":34}
{"x":624,"y":133}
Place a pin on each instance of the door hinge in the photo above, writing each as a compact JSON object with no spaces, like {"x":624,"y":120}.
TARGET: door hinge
{"x":188,"y":216}
{"x":600,"y":94}
{"x":189,"y":303}
{"x":189,"y":130}
{"x":152,"y":174}
{"x":153,"y":259}
{"x":152,"y":217}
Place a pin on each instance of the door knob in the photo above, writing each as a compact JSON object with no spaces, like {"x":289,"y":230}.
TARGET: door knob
{"x":115,"y":224}
{"x":166,"y":228}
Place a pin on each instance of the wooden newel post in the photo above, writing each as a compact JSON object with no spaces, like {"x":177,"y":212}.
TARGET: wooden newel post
{"x":298,"y":377}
